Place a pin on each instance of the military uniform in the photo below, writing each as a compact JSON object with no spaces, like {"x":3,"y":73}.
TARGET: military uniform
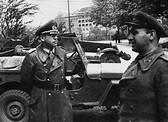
{"x":144,"y":85}
{"x":43,"y":76}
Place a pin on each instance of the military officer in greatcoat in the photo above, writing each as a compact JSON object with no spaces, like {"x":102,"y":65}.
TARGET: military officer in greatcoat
{"x":43,"y":77}
{"x":144,"y":85}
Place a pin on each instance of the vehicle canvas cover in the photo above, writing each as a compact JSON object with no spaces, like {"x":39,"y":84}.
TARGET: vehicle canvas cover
{"x":11,"y":63}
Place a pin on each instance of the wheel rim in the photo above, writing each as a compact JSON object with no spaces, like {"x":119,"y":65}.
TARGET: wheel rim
{"x":15,"y":110}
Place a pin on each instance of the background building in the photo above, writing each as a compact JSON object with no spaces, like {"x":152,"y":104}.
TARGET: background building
{"x":80,"y":23}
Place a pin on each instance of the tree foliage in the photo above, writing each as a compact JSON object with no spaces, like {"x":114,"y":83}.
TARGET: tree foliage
{"x":61,"y":23}
{"x":11,"y":14}
{"x":96,"y":34}
{"x":109,"y":12}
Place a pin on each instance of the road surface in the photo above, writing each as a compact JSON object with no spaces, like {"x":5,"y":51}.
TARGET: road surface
{"x":125,"y":47}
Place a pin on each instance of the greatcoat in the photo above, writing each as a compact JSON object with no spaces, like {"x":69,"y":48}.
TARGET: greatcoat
{"x":144,"y":89}
{"x":44,"y":78}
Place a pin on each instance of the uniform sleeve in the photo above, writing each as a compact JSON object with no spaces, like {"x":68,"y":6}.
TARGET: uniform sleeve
{"x":161,"y":91}
{"x":27,"y":73}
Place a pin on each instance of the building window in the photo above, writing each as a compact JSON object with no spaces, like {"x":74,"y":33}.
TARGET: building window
{"x":86,"y":24}
{"x":83,"y":29}
{"x":87,"y":29}
{"x":83,"y":24}
{"x":79,"y":21}
{"x":90,"y":24}
{"x":83,"y":20}
{"x":79,"y":25}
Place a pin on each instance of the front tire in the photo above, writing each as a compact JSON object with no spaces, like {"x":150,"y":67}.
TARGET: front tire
{"x":14,"y":106}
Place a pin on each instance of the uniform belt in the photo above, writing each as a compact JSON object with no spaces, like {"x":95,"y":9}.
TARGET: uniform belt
{"x":56,"y":87}
{"x":49,"y":86}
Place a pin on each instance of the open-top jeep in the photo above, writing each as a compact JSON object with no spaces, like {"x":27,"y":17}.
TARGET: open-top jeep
{"x":93,"y":85}
{"x":13,"y":100}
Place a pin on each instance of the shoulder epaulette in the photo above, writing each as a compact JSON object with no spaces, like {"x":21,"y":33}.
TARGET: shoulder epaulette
{"x":31,"y":50}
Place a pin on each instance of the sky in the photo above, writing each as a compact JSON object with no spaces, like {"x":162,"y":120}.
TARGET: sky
{"x":49,"y":9}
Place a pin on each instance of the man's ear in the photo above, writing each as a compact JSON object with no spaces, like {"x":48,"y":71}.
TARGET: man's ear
{"x":152,"y":34}
{"x":42,"y":38}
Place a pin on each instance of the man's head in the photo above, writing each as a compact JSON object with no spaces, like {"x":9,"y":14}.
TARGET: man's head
{"x":48,"y":33}
{"x":143,"y":20}
{"x":144,"y":32}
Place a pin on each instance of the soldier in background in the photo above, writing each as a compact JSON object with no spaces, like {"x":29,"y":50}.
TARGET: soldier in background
{"x":43,"y":77}
{"x":144,"y":85}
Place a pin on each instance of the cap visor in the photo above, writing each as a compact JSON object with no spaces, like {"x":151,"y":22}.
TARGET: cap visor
{"x":131,"y":24}
{"x":53,"y":32}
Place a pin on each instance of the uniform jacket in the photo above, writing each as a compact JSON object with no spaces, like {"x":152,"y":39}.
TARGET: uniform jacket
{"x":47,"y":104}
{"x":144,"y":89}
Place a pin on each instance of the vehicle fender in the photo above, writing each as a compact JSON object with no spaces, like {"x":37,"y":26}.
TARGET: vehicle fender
{"x":9,"y":76}
{"x":105,"y":70}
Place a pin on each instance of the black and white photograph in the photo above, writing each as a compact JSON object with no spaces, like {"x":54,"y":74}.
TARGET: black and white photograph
{"x":83,"y":61}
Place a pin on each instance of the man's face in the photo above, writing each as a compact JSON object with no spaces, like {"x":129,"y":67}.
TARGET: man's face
{"x":51,"y":40}
{"x":139,"y":38}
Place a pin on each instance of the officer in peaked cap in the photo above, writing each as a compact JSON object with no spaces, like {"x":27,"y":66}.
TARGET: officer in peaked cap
{"x":48,"y":28}
{"x":144,"y":85}
{"x":43,"y":77}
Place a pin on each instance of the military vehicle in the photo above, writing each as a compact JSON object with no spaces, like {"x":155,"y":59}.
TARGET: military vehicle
{"x":105,"y":52}
{"x":13,"y":100}
{"x":93,"y":85}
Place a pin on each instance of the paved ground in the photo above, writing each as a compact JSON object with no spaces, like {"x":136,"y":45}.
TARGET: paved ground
{"x":125,"y":47}
{"x":123,"y":42}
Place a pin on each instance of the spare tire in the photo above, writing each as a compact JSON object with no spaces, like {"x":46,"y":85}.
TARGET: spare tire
{"x":14,"y":106}
{"x":110,"y":58}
